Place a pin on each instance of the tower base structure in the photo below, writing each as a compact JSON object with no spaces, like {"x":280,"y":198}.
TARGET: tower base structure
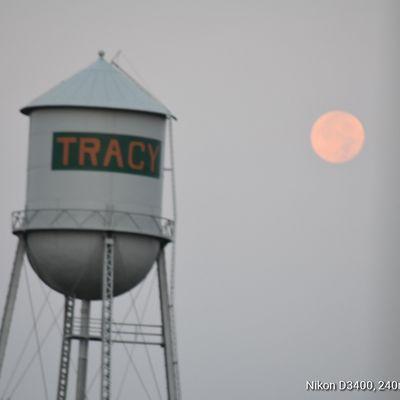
{"x":111,"y":332}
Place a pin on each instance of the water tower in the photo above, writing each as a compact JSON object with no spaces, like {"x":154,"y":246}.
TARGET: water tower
{"x":92,"y":226}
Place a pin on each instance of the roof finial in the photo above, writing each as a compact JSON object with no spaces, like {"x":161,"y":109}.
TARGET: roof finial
{"x":101,"y":53}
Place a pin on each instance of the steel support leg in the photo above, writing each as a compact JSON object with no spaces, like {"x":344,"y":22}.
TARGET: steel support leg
{"x":83,"y":351}
{"x":66,"y":348}
{"x":11,"y":297}
{"x":171,"y":362}
{"x":106,"y":320}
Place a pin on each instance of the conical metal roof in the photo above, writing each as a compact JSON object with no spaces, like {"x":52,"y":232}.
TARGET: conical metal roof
{"x":100,"y":85}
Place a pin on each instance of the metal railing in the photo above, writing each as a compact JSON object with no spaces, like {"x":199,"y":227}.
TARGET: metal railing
{"x":103,"y":220}
{"x":122,"y":332}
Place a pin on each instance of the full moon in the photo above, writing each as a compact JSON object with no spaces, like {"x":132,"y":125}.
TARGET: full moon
{"x":337,"y":136}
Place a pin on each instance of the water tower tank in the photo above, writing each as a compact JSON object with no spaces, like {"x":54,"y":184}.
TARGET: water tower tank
{"x":95,"y":165}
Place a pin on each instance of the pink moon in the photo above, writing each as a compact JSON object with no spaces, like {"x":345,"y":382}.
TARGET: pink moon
{"x":337,"y":137}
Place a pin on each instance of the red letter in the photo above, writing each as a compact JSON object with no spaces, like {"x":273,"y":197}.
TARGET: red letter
{"x":153,"y":153}
{"x":113,"y":150}
{"x":132,"y":164}
{"x":91,"y":147}
{"x":66,"y":141}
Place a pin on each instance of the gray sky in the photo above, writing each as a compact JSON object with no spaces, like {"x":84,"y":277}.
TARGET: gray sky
{"x":287,"y":265}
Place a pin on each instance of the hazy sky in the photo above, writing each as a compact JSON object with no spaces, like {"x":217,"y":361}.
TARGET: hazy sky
{"x":286,"y":265}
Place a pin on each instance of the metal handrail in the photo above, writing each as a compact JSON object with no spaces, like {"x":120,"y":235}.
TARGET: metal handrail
{"x":22,"y":220}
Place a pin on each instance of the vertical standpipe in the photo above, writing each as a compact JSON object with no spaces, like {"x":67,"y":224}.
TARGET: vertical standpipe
{"x":83,"y":351}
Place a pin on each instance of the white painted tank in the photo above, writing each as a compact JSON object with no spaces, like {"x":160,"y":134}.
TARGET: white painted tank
{"x":96,"y":146}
